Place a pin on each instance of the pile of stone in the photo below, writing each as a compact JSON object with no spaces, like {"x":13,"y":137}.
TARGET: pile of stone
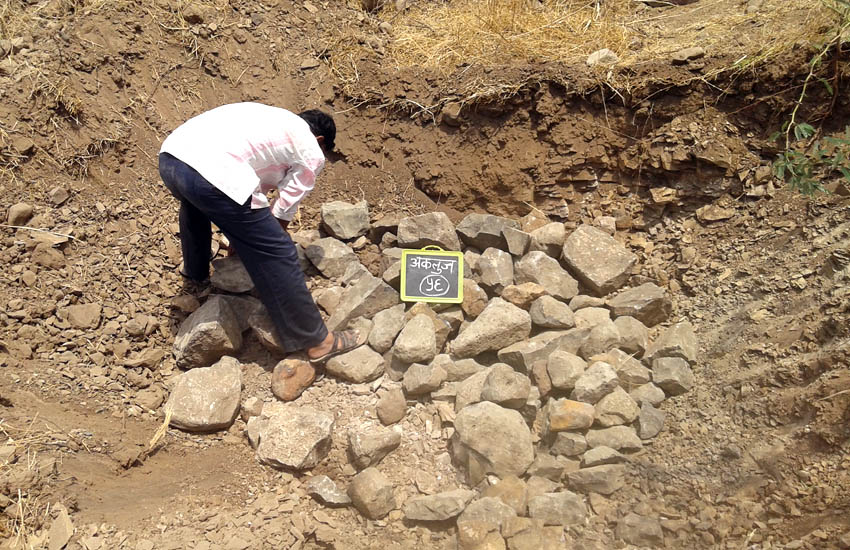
{"x":546,"y":371}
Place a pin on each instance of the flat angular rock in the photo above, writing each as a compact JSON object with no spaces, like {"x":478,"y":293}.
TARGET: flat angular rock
{"x":392,"y":275}
{"x":84,"y":316}
{"x":596,"y":382}
{"x":19,"y":214}
{"x":328,"y":298}
{"x":537,"y":486}
{"x":599,"y":456}
{"x":386,"y":326}
{"x":634,"y":336}
{"x":417,"y":342}
{"x":648,"y":303}
{"x":538,"y":267}
{"x":439,"y":507}
{"x":207,"y":334}
{"x":293,"y":437}
{"x":568,"y":444}
{"x":230,"y":275}
{"x":602,"y":338}
{"x":640,"y":531}
{"x":597,"y":259}
{"x":489,"y":510}
{"x":243,"y":307}
{"x":648,"y":393}
{"x":499,"y":325}
{"x":490,"y":439}
{"x":564,"y":415}
{"x":368,"y":446}
{"x":496,"y":269}
{"x":61,"y":531}
{"x":549,"y":239}
{"x":616,"y":408}
{"x":326,"y":491}
{"x":621,"y":438}
{"x":599,"y":479}
{"x":551,"y":466}
{"x":522,"y":355}
{"x":650,"y":421}
{"x":630,"y":372}
{"x":207,"y":399}
{"x":512,"y":491}
{"x":330,"y":256}
{"x":353,"y":273}
{"x":365,"y":298}
{"x":423,"y":379}
{"x":475,"y":300}
{"x":263,"y":328}
{"x":372,"y":493}
{"x":673,"y":375}
{"x":469,"y":390}
{"x":582,"y":301}
{"x":563,"y":508}
{"x":589,"y":317}
{"x":506,"y":387}
{"x":517,"y":242}
{"x":459,"y":370}
{"x":359,"y":365}
{"x":548,"y":312}
{"x":678,"y":340}
{"x":523,"y":295}
{"x":564,"y":369}
{"x":344,"y":220}
{"x":391,"y":406}
{"x":434,"y":228}
{"x":484,"y":231}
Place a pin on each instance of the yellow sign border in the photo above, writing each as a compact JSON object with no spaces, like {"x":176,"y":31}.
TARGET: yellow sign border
{"x":431,"y":251}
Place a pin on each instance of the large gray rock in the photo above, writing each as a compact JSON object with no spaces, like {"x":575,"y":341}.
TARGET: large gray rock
{"x":597,"y":259}
{"x":648,"y":393}
{"x":563,"y":508}
{"x":522,"y":355}
{"x":538,"y":267}
{"x":487,"y":510}
{"x":386,"y":326}
{"x":262,"y":326}
{"x":549,"y":239}
{"x":417,"y":342}
{"x":602,"y":338}
{"x":589,"y":317}
{"x":568,"y":444}
{"x":230,"y":275}
{"x":210,"y":332}
{"x":616,"y":408}
{"x":564,"y":369}
{"x":365,"y":298}
{"x":599,"y":456}
{"x":391,"y":406}
{"x":630,"y":371}
{"x":330,"y":256}
{"x":434,"y":228}
{"x":648,"y":303}
{"x":439,"y":507}
{"x":678,"y":340}
{"x":490,"y":439}
{"x":598,"y":479}
{"x":460,"y":369}
{"x":496,"y":268}
{"x":596,"y":382}
{"x":499,"y":325}
{"x":621,"y":438}
{"x":469,"y":390}
{"x":423,"y":379}
{"x":673,"y":375}
{"x":344,"y":220}
{"x":485,"y":230}
{"x":506,"y":387}
{"x":517,"y":242}
{"x":359,"y":365}
{"x":650,"y":421}
{"x":634,"y":336}
{"x":207,"y":399}
{"x":293,"y":437}
{"x":372,"y":493}
{"x":548,"y":312}
{"x":369,"y":445}
{"x":640,"y":531}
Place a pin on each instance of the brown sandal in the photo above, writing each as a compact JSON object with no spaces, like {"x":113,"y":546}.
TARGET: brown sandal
{"x":344,"y":341}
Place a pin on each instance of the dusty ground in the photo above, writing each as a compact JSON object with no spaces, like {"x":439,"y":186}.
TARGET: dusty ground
{"x":755,"y":457}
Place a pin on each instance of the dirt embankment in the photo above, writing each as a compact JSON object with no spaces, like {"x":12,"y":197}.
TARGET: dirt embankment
{"x":755,"y":456}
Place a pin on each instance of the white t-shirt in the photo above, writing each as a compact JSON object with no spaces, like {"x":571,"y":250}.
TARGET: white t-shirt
{"x":248,"y":149}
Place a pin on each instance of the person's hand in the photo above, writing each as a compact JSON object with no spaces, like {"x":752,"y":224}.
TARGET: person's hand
{"x":284,"y":224}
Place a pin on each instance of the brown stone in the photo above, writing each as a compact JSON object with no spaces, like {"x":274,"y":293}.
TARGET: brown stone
{"x":291,"y":377}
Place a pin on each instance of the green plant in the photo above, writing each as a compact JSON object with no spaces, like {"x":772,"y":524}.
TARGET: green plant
{"x":805,"y":158}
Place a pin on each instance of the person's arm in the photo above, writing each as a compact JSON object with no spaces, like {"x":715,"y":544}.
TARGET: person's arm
{"x":295,"y":184}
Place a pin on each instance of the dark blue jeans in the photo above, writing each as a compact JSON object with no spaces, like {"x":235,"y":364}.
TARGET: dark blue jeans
{"x":265,"y":249}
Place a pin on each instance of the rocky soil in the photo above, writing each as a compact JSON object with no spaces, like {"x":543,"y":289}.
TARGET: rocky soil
{"x":751,"y":282}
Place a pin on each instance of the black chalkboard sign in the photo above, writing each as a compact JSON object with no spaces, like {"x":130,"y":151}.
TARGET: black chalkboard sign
{"x":432,"y":275}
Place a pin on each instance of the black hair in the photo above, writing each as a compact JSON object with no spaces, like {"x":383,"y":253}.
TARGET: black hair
{"x":321,"y":124}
